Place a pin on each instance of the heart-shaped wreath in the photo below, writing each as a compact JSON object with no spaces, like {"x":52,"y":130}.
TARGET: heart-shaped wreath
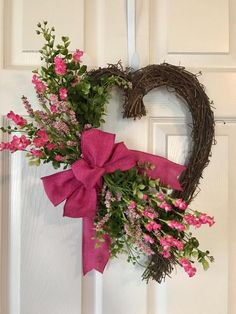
{"x":131,"y":202}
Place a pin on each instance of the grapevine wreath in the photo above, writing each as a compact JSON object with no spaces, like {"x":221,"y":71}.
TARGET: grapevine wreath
{"x":131,"y":202}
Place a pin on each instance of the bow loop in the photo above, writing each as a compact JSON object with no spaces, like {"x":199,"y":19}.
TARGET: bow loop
{"x":97,"y":146}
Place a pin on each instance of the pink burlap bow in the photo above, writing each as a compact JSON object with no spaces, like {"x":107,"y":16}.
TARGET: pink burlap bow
{"x":80,"y":184}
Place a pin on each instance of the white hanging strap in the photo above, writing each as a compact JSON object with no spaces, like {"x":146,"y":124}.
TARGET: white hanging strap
{"x":133,"y":60}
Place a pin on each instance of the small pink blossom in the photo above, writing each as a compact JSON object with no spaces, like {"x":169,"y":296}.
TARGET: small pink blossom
{"x":165,"y":244}
{"x":197,"y":222}
{"x":50,"y":146}
{"x":149,"y":239}
{"x":61,"y":127}
{"x":183,"y":206}
{"x":153,"y":226}
{"x":167,"y":207}
{"x":16,"y":118}
{"x":145,"y":197}
{"x":170,"y":241}
{"x":102,"y":222}
{"x":18,"y":143}
{"x":191,"y":271}
{"x":186,"y":264}
{"x":54,"y":109}
{"x":77,"y":55}
{"x":178,"y":244}
{"x":41,"y":139}
{"x":63,"y":93}
{"x":59,"y":66}
{"x":2,"y":146}
{"x":58,"y":157}
{"x":132,"y":205}
{"x":108,"y":197}
{"x":38,"y":84}
{"x":62,"y":146}
{"x":88,"y":126}
{"x":54,"y":99}
{"x":127,"y":230}
{"x":148,"y":214}
{"x":160,"y":196}
{"x":71,"y":143}
{"x":207,"y":219}
{"x":145,"y":248}
{"x":166,"y":254}
{"x":36,"y":153}
{"x":180,"y":204}
{"x":176,"y":225}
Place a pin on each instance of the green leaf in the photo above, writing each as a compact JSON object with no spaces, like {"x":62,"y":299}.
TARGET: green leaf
{"x":140,"y":195}
{"x":82,"y":70}
{"x":205,"y":264}
{"x":100,"y":90}
{"x":34,"y":162}
{"x":195,"y":254}
{"x":141,"y":186}
{"x":56,"y":164}
{"x":152,"y":183}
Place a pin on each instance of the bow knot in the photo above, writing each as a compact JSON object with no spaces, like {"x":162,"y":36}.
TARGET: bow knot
{"x":89,"y":175}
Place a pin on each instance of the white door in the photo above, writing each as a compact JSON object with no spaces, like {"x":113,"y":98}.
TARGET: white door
{"x":41,"y":250}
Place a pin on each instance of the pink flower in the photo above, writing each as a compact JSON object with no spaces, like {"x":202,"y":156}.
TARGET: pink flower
{"x":165,"y":206}
{"x":160,"y":196}
{"x":38,"y":84}
{"x":36,"y":153}
{"x":166,"y":254}
{"x":207,"y":220}
{"x":132,"y":205}
{"x":42,"y":134}
{"x":149,"y":239}
{"x":148,"y":214}
{"x":88,"y":126}
{"x":54,"y":109}
{"x":178,"y":244}
{"x":153,"y":226}
{"x":62,"y":146}
{"x":191,"y":220}
{"x":58,"y":157}
{"x":145,"y":197}
{"x":170,"y":241}
{"x":176,"y":225}
{"x":190,"y":270}
{"x":77,"y":55}
{"x":180,"y":204}
{"x":63,"y":93}
{"x":50,"y":146}
{"x":185,"y":262}
{"x":165,"y":244}
{"x":17,"y":143}
{"x":54,"y":103}
{"x":16,"y":118}
{"x":41,"y":139}
{"x":198,"y":221}
{"x":2,"y":146}
{"x":60,"y":66}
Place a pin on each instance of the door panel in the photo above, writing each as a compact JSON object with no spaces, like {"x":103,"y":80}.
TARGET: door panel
{"x":41,"y":250}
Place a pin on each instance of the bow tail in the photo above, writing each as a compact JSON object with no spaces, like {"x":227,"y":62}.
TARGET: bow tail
{"x":94,"y":257}
{"x":165,"y":170}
